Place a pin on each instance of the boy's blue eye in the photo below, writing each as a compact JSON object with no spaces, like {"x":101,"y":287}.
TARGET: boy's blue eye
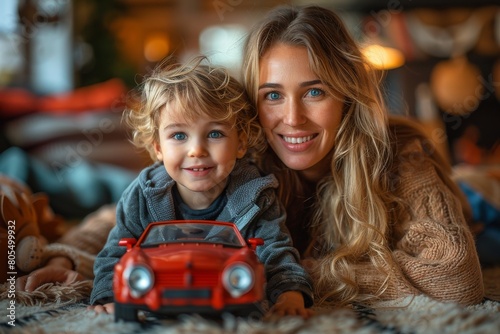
{"x":179,"y":136}
{"x":215,"y":134}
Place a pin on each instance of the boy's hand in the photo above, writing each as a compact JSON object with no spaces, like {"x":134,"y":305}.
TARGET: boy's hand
{"x":290,"y":303}
{"x":108,"y":308}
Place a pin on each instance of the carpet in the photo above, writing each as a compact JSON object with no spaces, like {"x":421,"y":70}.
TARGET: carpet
{"x":62,"y":309}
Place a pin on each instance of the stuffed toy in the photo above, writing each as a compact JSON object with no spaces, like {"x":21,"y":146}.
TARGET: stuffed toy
{"x":27,"y":226}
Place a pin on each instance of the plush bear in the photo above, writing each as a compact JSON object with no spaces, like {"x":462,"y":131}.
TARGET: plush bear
{"x":27,"y":225}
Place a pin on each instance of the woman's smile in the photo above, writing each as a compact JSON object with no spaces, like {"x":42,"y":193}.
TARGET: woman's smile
{"x":297,"y":140}
{"x":298,"y":143}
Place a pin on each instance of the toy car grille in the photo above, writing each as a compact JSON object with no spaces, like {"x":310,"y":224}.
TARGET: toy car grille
{"x":188,"y":278}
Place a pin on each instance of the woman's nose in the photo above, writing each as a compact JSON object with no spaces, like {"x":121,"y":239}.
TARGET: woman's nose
{"x":294,"y":113}
{"x":197,"y":149}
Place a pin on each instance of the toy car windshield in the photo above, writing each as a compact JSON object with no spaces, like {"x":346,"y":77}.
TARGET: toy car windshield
{"x":191,"y":233}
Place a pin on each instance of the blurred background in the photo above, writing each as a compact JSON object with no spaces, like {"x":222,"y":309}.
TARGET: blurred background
{"x":66,"y":67}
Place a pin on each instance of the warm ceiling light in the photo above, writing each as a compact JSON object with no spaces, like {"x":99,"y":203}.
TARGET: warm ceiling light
{"x":156,"y":47}
{"x":383,"y":57}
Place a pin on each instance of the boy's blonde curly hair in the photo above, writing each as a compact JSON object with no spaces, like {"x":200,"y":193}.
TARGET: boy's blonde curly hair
{"x":195,"y":89}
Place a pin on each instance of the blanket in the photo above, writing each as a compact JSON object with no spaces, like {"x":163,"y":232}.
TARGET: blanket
{"x":55,"y":308}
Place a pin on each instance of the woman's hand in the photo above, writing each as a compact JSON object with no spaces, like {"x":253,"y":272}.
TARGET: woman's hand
{"x":290,"y":303}
{"x":108,"y":308}
{"x":57,"y":270}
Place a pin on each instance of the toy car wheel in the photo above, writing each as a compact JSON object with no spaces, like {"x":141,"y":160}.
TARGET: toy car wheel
{"x":125,"y":313}
{"x":254,"y":311}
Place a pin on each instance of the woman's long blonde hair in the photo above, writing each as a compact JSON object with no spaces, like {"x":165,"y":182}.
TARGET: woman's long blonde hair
{"x":354,"y":204}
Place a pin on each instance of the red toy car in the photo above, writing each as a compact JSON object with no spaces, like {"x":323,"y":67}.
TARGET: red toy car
{"x":188,"y":266}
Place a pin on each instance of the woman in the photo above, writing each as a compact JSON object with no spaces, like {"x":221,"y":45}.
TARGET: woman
{"x":369,"y":200}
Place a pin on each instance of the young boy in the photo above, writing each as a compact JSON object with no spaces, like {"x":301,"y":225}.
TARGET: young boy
{"x":196,"y":122}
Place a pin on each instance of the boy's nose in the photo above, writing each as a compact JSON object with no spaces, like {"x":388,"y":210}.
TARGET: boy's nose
{"x":197,"y":149}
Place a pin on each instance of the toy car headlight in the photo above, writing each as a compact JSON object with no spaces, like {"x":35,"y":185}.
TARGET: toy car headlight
{"x":238,"y":279}
{"x":140,"y":280}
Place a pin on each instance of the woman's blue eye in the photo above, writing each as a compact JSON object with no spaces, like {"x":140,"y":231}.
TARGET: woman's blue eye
{"x":215,"y":134}
{"x":179,"y":136}
{"x":315,"y":92}
{"x":273,"y":96}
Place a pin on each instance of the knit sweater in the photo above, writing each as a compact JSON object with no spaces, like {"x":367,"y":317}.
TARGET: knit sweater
{"x":432,"y":243}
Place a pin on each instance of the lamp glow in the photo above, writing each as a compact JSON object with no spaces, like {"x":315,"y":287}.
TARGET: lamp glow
{"x":383,"y":57}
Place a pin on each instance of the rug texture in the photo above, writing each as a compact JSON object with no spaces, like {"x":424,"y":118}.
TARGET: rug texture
{"x":63,"y":309}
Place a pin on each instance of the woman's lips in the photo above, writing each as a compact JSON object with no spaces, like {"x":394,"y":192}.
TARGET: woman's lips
{"x":297,"y":140}
{"x":297,"y":143}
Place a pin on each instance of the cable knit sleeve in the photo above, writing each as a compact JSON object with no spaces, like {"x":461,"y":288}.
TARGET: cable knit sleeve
{"x":434,"y":246}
